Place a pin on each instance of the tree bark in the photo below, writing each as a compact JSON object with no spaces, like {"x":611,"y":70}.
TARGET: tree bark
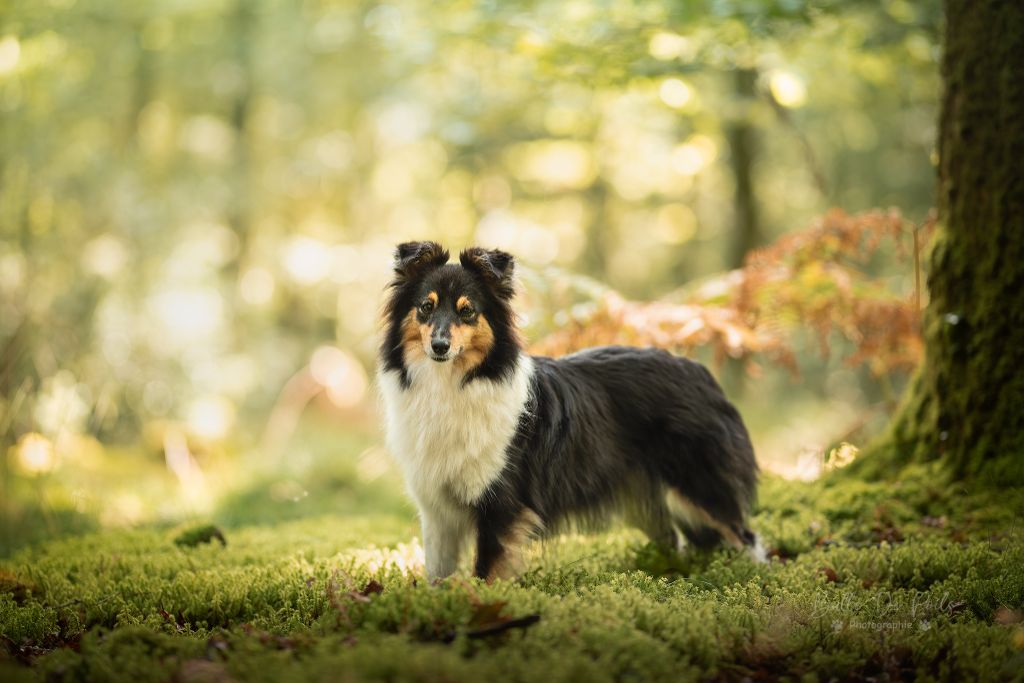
{"x":743,"y":150}
{"x":594,"y":259}
{"x":966,"y":406}
{"x":240,"y":210}
{"x":746,"y":233}
{"x":142,"y":88}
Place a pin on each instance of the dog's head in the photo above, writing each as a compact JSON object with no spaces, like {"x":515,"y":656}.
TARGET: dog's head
{"x":451,"y":313}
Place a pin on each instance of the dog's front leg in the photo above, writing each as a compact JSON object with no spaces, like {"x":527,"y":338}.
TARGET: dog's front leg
{"x":444,"y":532}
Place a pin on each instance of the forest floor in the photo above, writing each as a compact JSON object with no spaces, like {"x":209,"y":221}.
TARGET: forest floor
{"x":907,"y":579}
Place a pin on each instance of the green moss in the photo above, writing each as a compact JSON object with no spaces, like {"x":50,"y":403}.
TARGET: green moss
{"x":206,"y":533}
{"x":297,"y":601}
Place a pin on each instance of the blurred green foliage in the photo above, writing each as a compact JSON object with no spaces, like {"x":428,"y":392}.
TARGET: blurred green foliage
{"x":198,"y":200}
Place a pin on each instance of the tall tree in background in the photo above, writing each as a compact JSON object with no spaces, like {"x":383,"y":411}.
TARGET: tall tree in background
{"x":240,"y":212}
{"x":967,"y":406}
{"x":742,"y":151}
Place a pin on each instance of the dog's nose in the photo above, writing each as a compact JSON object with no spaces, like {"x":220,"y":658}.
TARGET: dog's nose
{"x":440,"y":346}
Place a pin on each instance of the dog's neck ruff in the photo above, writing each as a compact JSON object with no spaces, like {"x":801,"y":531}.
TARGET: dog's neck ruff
{"x":451,"y":437}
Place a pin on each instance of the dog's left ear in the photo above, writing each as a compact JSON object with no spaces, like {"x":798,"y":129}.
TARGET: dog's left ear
{"x":495,"y":267}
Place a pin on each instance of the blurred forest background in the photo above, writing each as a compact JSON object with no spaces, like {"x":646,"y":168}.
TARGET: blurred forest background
{"x":199,"y":200}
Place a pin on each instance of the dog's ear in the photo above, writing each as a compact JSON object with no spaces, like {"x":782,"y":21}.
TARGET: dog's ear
{"x":413,"y":259}
{"x":495,"y":267}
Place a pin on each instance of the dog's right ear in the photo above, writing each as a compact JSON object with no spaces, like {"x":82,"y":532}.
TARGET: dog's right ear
{"x":414,"y":259}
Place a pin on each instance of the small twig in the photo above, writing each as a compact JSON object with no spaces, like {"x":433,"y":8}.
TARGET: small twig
{"x":917,"y":269}
{"x":582,"y":559}
{"x":78,"y":601}
{"x":810,"y":158}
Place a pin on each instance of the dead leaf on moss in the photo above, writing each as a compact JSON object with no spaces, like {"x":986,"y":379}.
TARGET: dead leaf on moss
{"x":18,"y":588}
{"x":488,"y":620}
{"x":1006,"y":616}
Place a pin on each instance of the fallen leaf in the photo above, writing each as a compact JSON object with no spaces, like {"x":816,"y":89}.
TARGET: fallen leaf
{"x":487,"y":613}
{"x":18,"y":588}
{"x":500,"y":627}
{"x":487,"y":620}
{"x":1007,"y":616}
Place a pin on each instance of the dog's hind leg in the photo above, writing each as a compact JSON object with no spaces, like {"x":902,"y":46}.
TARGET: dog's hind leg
{"x":651,"y":515}
{"x":704,"y":529}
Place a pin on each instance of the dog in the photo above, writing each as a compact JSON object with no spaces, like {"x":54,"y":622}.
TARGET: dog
{"x":506,"y":447}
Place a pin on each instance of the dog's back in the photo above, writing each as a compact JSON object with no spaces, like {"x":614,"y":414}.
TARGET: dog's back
{"x":638,"y":431}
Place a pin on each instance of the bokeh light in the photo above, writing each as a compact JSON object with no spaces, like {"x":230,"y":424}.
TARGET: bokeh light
{"x":340,"y":374}
{"x":788,"y":89}
{"x":665,"y":45}
{"x":211,"y":417}
{"x":36,"y":454}
{"x":10,"y":54}
{"x":675,"y":93}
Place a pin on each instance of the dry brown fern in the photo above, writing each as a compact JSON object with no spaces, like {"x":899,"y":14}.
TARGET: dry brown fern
{"x":815,"y":279}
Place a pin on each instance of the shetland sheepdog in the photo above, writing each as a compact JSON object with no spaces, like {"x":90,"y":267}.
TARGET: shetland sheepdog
{"x":502,"y":447}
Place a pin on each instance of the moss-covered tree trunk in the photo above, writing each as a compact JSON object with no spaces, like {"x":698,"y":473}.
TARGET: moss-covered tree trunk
{"x":967,"y":405}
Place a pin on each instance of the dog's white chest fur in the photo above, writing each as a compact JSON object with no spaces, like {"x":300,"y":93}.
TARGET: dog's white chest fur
{"x":450,"y":440}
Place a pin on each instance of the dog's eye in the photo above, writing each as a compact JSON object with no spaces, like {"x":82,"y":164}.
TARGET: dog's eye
{"x":467,"y":312}
{"x":426,"y":307}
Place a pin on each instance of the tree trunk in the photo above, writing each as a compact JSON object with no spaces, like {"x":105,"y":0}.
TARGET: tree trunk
{"x":966,"y":406}
{"x":240,"y":210}
{"x":142,"y":88}
{"x":746,"y":234}
{"x":594,"y":259}
{"x":743,"y":149}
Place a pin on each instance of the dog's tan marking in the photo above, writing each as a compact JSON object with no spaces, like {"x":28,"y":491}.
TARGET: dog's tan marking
{"x":695,"y":515}
{"x":432,"y":298}
{"x":461,"y":303}
{"x":476,"y":341}
{"x":414,"y":337}
{"x":528,"y":525}
{"x":460,"y":335}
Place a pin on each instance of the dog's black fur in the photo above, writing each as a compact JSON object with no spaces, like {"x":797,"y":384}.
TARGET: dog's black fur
{"x":606,"y":428}
{"x":610,"y":429}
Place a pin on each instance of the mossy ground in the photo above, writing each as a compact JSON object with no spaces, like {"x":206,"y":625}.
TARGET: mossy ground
{"x":914,"y":579}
